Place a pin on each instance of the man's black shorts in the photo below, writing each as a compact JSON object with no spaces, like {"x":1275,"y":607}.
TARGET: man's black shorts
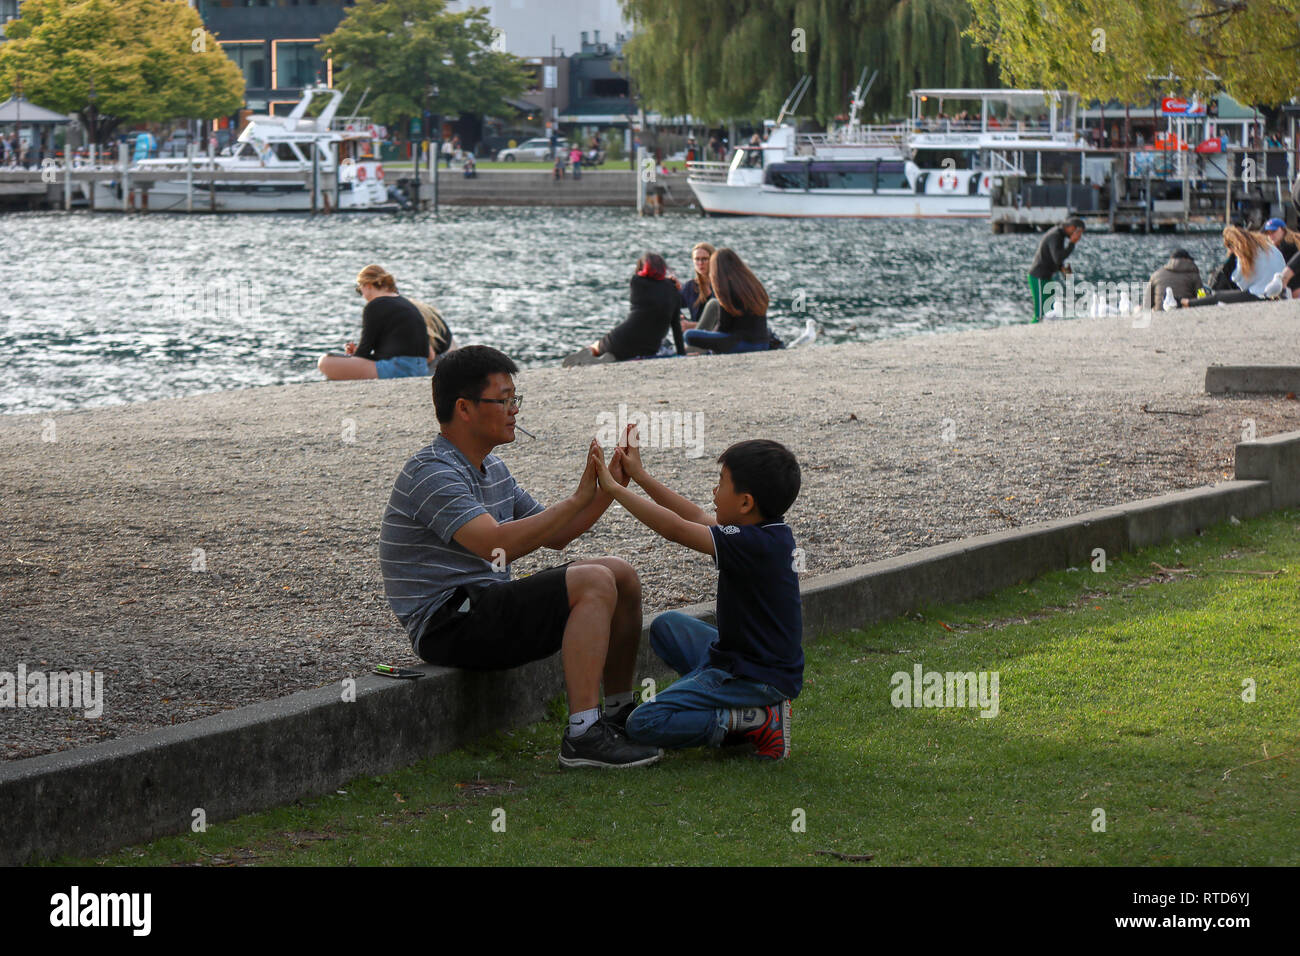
{"x":508,"y":624}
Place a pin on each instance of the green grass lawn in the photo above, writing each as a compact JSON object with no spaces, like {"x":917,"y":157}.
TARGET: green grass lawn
{"x":1120,"y":691}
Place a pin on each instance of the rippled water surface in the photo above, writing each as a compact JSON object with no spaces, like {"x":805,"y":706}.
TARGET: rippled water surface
{"x":104,"y":309}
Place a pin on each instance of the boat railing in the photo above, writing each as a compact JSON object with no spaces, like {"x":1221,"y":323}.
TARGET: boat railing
{"x":706,"y":172}
{"x":888,"y":136}
{"x":1038,"y":128}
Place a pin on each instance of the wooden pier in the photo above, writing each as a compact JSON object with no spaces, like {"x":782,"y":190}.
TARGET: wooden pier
{"x":1172,"y":194}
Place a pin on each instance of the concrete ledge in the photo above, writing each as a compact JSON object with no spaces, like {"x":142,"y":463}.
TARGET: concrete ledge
{"x":106,"y":795}
{"x":1271,"y":379}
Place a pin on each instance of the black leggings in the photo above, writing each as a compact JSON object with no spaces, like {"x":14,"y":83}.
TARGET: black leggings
{"x":1235,"y":295}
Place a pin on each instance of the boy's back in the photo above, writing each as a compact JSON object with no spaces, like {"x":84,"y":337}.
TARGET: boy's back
{"x":760,"y":614}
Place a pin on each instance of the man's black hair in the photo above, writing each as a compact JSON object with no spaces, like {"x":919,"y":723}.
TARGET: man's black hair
{"x":1180,"y":254}
{"x":1074,"y":222}
{"x":463,"y":373}
{"x":767,"y":470}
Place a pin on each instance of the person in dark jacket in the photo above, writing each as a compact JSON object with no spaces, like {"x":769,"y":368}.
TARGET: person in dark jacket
{"x":1288,"y":243}
{"x":655,"y":310}
{"x":1055,"y":248}
{"x":394,"y":339}
{"x":742,"y":325}
{"x":1179,"y":273}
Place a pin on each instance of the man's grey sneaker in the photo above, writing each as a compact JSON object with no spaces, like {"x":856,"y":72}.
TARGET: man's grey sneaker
{"x":605,"y":745}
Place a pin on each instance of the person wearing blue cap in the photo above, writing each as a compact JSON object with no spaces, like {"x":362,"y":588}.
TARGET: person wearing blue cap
{"x":1287,"y":242}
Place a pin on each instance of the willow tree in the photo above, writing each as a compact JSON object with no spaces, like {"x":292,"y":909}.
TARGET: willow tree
{"x":1117,"y":49}
{"x":738,"y":59}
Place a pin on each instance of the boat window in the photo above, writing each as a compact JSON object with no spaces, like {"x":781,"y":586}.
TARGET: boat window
{"x":934,"y":158}
{"x":892,"y":176}
{"x":786,"y":175}
{"x":842,"y":176}
{"x":247,"y":151}
{"x":286,"y":153}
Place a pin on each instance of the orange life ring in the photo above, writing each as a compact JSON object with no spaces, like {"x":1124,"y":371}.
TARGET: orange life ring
{"x":361,"y":174}
{"x":988,"y":181}
{"x":379,"y":172}
{"x":948,"y":180}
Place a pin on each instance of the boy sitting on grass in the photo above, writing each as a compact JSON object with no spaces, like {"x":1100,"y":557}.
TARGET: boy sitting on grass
{"x":737,"y":678}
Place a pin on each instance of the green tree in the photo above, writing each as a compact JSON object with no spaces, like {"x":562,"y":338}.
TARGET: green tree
{"x":145,"y":60}
{"x":739,"y":59}
{"x":402,"y":50}
{"x":1119,"y":49}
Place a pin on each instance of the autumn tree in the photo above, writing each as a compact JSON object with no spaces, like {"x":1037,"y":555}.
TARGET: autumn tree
{"x":403,"y":51}
{"x":116,"y":61}
{"x":1121,"y":49}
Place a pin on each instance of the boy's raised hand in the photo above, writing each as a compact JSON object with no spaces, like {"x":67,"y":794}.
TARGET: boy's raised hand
{"x":596,"y":461}
{"x":628,"y":452}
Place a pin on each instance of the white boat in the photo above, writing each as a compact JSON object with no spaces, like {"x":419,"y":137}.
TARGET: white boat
{"x":925,"y":168}
{"x":855,"y":172}
{"x":271,"y":143}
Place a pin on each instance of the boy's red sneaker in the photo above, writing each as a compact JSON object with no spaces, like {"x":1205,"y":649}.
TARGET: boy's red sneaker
{"x":771,"y":738}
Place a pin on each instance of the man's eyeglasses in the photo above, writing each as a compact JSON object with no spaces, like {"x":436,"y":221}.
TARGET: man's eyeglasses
{"x":512,"y":403}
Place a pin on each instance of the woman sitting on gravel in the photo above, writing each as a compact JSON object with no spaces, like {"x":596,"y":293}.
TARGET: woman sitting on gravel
{"x":394,"y":338}
{"x":655,"y":310}
{"x":1258,"y":262}
{"x":742,"y":323}
{"x":698,"y":293}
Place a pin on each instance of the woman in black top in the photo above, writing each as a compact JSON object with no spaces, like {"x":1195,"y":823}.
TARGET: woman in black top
{"x":655,"y":310}
{"x":394,"y":338}
{"x":743,"y":302}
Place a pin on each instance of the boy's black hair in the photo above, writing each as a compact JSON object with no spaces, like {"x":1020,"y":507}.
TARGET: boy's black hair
{"x":767,"y":470}
{"x":463,"y":373}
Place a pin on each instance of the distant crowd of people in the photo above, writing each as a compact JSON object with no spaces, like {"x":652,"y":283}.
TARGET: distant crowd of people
{"x":1259,"y":265}
{"x":726,"y":303}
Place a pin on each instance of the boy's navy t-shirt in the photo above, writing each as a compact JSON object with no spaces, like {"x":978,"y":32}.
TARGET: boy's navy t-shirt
{"x":760,"y":615}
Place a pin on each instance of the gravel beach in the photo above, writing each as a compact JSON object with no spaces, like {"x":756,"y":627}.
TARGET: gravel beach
{"x":209,"y":552}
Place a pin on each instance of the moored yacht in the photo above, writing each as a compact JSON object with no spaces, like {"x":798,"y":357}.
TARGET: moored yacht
{"x":291,"y":143}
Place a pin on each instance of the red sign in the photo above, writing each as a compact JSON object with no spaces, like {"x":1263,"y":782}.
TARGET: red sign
{"x":1177,"y":106}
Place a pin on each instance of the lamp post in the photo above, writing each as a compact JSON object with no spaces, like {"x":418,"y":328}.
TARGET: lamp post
{"x":435,"y":145}
{"x":93,"y":144}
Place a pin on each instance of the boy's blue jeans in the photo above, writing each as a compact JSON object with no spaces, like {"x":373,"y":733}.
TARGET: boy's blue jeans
{"x":693,"y":711}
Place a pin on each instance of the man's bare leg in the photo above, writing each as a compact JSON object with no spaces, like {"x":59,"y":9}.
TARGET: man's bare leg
{"x":593,"y":597}
{"x":624,"y":627}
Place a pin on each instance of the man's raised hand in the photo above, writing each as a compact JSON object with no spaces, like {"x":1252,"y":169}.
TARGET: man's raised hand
{"x":588,"y":484}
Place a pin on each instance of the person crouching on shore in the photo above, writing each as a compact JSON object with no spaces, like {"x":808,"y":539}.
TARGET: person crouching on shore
{"x":394,"y":338}
{"x":1055,"y":247}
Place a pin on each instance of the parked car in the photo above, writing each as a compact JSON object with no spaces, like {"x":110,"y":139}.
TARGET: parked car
{"x":175,"y":145}
{"x":533,"y":150}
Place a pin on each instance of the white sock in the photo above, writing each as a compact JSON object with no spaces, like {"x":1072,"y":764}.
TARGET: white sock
{"x":581,"y":721}
{"x":614,"y":701}
{"x":746,"y":718}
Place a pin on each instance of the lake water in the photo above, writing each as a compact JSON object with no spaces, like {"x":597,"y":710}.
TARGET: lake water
{"x":105,"y":309}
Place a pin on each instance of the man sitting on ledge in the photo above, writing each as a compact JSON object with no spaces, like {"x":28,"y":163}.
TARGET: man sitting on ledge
{"x":455,"y":521}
